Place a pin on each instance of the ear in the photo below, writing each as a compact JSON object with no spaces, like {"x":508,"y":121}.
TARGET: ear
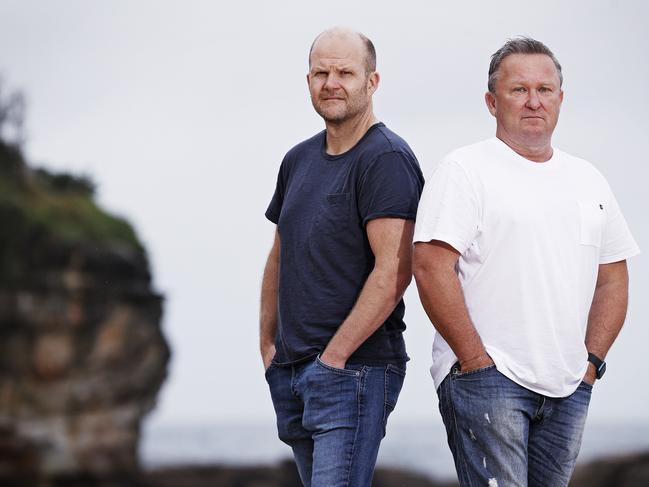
{"x":308,"y":79}
{"x":561,"y":96}
{"x":373,"y":82}
{"x":490,"y":100}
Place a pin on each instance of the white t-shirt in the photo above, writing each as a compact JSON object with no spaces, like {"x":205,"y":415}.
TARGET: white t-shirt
{"x":531,"y":237}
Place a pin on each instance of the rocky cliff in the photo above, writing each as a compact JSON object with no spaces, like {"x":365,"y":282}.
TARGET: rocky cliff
{"x":82,"y":356}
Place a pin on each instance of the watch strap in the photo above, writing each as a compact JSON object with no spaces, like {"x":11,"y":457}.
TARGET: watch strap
{"x":600,"y":365}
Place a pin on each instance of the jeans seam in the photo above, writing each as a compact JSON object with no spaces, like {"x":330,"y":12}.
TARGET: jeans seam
{"x":293,"y":388}
{"x":359,"y":396}
{"x":385,"y":398}
{"x":460,"y":448}
{"x":396,"y":370}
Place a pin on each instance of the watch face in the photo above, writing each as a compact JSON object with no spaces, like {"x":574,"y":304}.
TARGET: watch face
{"x":600,"y":370}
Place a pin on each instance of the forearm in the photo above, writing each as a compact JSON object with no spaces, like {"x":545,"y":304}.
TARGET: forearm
{"x":443,"y":300}
{"x":442,"y":297}
{"x":382,"y":291}
{"x":268,"y":305}
{"x":608,"y":309}
{"x":391,"y":243}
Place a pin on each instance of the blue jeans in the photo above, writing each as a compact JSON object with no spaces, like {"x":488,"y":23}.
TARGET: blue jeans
{"x":334,"y":419}
{"x":502,"y":434}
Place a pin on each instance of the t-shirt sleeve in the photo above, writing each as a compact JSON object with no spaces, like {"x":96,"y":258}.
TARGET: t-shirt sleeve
{"x":275,"y":206}
{"x":390,"y":187}
{"x":448,"y":210}
{"x":617,"y":242}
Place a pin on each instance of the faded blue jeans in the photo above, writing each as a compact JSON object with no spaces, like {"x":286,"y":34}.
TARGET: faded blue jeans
{"x":334,"y":419}
{"x":502,"y":434}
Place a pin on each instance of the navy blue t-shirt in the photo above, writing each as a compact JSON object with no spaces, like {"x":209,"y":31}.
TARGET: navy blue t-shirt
{"x":321,"y":205}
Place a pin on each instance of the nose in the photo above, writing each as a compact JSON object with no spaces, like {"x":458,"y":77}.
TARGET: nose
{"x":533,"y":100}
{"x":331,"y":83}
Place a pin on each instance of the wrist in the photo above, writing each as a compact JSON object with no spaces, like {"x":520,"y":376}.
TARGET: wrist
{"x":476,"y":362}
{"x":475,"y":357}
{"x":590,"y":375}
{"x":597,"y":364}
{"x":334,"y":357}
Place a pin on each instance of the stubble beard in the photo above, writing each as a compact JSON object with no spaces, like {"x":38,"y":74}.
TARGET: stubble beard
{"x":354,"y":105}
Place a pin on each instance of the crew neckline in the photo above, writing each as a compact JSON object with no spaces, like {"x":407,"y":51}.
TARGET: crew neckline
{"x":330,"y":157}
{"x":549,"y":163}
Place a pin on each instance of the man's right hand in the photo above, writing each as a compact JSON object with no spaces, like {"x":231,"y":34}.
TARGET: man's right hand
{"x":475,"y":363}
{"x":267,"y":355}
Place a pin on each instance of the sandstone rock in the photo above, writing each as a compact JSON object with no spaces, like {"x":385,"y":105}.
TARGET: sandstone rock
{"x":82,"y":355}
{"x":53,"y":354}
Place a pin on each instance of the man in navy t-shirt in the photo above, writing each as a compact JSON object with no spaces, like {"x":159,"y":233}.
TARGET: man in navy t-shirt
{"x":331,"y":315}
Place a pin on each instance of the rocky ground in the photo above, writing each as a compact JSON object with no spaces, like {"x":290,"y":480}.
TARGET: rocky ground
{"x":627,"y":471}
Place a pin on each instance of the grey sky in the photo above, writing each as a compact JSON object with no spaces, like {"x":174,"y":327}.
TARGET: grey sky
{"x":182,"y":112}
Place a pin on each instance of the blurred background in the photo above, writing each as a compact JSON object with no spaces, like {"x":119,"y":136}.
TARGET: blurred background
{"x":181,"y":112}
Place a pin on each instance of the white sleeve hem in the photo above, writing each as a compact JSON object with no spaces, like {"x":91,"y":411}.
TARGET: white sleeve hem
{"x":609,"y":259}
{"x":454,"y":242}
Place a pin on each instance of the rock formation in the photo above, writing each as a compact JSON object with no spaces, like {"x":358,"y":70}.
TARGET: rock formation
{"x":630,"y":470}
{"x":82,"y":356}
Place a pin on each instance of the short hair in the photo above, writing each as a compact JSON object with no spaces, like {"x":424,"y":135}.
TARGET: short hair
{"x":370,"y":51}
{"x":518,"y":45}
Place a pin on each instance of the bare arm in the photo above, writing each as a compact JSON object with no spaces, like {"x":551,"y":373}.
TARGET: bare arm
{"x":607,"y":312}
{"x":268,"y":308}
{"x":442,"y":297}
{"x":391,"y":243}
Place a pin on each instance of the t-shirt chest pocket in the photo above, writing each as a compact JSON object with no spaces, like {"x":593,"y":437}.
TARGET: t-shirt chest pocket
{"x":333,"y":216}
{"x":591,"y":218}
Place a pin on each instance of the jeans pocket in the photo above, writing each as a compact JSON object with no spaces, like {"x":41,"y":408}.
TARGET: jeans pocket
{"x":269,"y":368}
{"x":459,"y":374}
{"x":336,"y":370}
{"x":586,"y":386}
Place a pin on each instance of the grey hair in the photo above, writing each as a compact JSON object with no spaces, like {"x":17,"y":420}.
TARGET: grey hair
{"x":370,"y":51}
{"x":518,"y":45}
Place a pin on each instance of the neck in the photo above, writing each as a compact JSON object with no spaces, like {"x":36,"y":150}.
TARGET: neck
{"x":535,"y":150}
{"x":344,"y":135}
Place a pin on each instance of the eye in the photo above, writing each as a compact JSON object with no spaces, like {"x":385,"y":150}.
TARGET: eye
{"x":519,"y":89}
{"x":545,"y":90}
{"x":346,"y":73}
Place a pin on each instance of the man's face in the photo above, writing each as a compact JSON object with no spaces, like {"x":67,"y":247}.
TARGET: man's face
{"x":527,"y":99}
{"x":339,"y":86}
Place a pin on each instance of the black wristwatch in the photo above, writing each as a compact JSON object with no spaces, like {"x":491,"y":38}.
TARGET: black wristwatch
{"x":600,"y":365}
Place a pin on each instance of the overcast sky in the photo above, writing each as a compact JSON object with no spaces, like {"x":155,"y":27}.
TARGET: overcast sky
{"x":182,"y":112}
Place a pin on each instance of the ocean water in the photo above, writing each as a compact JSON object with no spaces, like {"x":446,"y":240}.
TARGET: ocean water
{"x":416,"y":446}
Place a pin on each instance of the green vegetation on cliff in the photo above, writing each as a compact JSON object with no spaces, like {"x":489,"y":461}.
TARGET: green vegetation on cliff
{"x":61,"y":206}
{"x":42,"y":213}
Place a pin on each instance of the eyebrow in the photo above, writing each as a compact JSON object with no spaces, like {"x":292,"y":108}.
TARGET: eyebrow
{"x":521,"y":81}
{"x":346,"y":67}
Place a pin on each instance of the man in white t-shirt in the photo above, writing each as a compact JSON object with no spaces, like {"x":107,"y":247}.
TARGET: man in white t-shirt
{"x":520,"y":262}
